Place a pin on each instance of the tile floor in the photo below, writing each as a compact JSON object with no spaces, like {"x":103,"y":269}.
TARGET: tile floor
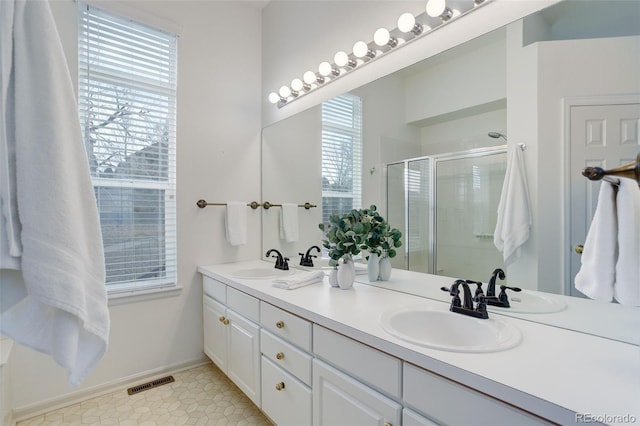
{"x":200,"y":396}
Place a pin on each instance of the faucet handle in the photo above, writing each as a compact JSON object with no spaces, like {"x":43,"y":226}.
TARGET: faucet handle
{"x":285,"y":263}
{"x":479,"y":291}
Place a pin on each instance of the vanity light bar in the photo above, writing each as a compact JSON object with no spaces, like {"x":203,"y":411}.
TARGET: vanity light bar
{"x":437,"y":14}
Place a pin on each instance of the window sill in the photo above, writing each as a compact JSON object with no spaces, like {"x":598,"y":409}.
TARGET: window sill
{"x":132,"y":296}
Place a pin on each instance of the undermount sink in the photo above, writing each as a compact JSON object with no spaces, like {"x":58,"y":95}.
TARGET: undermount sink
{"x":261,"y":273}
{"x":531,"y":303}
{"x":449,"y":331}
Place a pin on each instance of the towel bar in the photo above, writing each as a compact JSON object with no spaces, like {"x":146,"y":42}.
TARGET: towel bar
{"x":202,"y":204}
{"x":629,"y":170}
{"x":254,"y":205}
{"x":267,"y":205}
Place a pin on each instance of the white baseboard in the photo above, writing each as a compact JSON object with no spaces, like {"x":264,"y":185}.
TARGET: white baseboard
{"x":40,"y":408}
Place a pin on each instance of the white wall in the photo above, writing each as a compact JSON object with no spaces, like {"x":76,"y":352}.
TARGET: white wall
{"x":218,"y":159}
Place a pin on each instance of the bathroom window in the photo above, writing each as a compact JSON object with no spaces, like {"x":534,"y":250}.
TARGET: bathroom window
{"x":341,"y":155}
{"x":127,"y":102}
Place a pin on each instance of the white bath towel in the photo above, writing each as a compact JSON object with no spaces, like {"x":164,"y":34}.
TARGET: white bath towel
{"x":289,"y":222}
{"x":236,"y":223}
{"x":57,"y":302}
{"x":300,"y":279}
{"x":627,"y":286}
{"x":598,"y":261}
{"x":514,"y":211}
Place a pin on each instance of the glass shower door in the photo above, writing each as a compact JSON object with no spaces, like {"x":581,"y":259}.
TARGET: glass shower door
{"x":467,"y":193}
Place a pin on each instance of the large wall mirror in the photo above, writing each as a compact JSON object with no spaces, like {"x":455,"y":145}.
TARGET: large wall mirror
{"x":454,"y":112}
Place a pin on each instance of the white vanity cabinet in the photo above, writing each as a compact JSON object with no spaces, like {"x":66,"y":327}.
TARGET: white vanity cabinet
{"x":447,"y":402}
{"x":285,"y":343}
{"x":231,"y":335}
{"x":354,"y":384}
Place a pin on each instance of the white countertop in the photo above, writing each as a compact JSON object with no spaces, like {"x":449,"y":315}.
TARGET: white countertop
{"x":553,"y":372}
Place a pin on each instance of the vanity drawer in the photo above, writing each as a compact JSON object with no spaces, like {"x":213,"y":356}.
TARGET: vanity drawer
{"x":285,"y":400}
{"x":375,"y":368}
{"x":286,"y":325}
{"x":286,"y":356}
{"x":215,"y":289}
{"x":440,"y":399}
{"x":242,"y":303}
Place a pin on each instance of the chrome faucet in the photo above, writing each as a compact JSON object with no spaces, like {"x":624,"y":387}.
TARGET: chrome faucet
{"x":281,"y":262}
{"x":306,"y":258}
{"x":465,"y":306}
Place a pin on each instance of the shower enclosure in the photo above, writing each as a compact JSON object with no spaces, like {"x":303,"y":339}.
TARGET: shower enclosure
{"x":446,"y":205}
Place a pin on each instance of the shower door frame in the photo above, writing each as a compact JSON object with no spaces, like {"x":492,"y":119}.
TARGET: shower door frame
{"x":432,"y":211}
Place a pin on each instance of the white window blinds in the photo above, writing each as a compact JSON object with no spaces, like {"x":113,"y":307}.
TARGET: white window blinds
{"x":341,"y":155}
{"x":127,"y":99}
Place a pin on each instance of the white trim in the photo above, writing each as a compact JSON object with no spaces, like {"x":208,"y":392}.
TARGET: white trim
{"x":567,"y":104}
{"x":142,"y":295}
{"x":142,"y":16}
{"x":40,"y":408}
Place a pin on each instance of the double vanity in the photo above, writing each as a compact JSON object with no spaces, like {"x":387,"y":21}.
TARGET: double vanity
{"x":380,"y":356}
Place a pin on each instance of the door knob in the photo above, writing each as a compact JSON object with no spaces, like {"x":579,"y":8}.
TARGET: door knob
{"x":579,"y":248}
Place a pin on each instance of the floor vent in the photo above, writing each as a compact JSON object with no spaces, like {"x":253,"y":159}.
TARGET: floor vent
{"x":149,"y":385}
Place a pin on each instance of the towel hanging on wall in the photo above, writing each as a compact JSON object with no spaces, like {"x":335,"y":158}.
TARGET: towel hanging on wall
{"x":236,"y":223}
{"x":514,"y":210}
{"x":54,"y":299}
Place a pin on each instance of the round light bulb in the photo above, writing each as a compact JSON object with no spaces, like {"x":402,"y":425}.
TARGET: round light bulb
{"x":406,"y":22}
{"x":297,"y":84}
{"x":341,"y":59}
{"x":284,"y":92}
{"x":324,"y":68}
{"x":309,"y":77}
{"x":360,"y":49}
{"x":381,"y":37}
{"x":436,"y":8}
{"x":274,"y":97}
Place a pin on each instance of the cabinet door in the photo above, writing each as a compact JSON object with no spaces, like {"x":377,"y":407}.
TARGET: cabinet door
{"x":215,"y":332}
{"x":244,"y":355}
{"x":411,"y":418}
{"x":285,"y":399}
{"x":341,"y":400}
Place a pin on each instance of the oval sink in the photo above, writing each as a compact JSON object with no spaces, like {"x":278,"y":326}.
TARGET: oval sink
{"x":449,"y":331}
{"x":527,"y":302}
{"x":261,"y":273}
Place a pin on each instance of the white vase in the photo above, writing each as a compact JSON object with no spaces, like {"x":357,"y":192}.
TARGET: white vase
{"x":385,"y":268}
{"x":346,"y":274}
{"x":333,"y":277}
{"x":373,"y":267}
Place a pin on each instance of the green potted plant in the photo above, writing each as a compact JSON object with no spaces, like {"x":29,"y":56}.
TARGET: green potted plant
{"x":380,"y":242}
{"x":343,"y":237}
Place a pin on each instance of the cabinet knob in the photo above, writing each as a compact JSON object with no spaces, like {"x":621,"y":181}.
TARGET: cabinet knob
{"x":280,"y":386}
{"x":387,"y":424}
{"x":225,"y":322}
{"x":221,"y":319}
{"x":279,"y":355}
{"x":280,"y":324}
{"x":579,"y":248}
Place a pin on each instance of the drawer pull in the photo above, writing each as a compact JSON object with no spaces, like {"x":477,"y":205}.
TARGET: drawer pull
{"x":280,"y":386}
{"x":280,"y":324}
{"x":387,"y":424}
{"x":279,"y":355}
{"x":221,"y":319}
{"x":225,"y":322}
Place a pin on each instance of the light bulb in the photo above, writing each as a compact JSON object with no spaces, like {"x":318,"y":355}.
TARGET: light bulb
{"x":341,"y":59}
{"x":360,"y":50}
{"x":274,"y":97}
{"x":406,"y":22}
{"x":381,"y":37}
{"x":284,"y":92}
{"x":435,"y":7}
{"x":438,"y":8}
{"x":324,"y":68}
{"x":309,"y":77}
{"x":297,"y":84}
